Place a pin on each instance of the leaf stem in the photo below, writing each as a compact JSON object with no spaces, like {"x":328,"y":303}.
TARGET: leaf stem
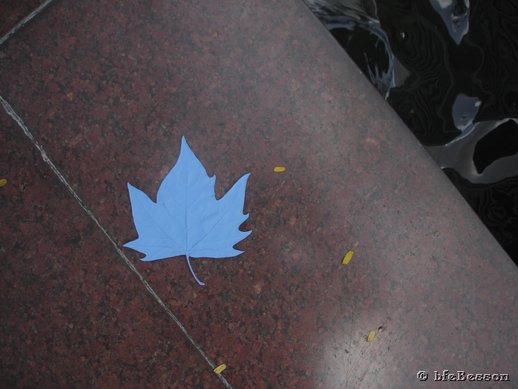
{"x":192,"y":271}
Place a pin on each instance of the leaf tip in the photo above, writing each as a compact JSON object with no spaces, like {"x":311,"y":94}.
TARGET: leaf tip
{"x":129,"y":244}
{"x":245,"y":177}
{"x":184,"y":142}
{"x":131,"y":188}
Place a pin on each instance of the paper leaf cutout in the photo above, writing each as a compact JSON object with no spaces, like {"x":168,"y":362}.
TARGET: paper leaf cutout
{"x":187,"y":219}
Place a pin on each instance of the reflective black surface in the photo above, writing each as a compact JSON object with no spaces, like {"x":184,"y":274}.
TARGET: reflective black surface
{"x":449,"y":68}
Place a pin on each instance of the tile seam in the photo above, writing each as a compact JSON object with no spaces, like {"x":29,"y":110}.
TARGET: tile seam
{"x":12,"y":113}
{"x":24,"y":21}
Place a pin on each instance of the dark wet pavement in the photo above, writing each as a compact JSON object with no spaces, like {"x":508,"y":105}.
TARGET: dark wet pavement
{"x":448,"y":68}
{"x":108,"y":89}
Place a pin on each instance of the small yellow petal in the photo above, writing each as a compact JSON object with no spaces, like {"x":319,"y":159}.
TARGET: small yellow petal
{"x":371,"y":336}
{"x":347,"y":257}
{"x":3,"y":182}
{"x":279,"y":169}
{"x":219,"y":369}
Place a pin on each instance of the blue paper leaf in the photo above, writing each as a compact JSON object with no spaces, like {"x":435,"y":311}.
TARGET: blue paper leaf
{"x":187,"y":219}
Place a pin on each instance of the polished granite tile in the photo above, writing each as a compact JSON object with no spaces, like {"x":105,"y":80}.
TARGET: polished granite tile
{"x":109,"y":90}
{"x":71,"y":314}
{"x":13,"y":11}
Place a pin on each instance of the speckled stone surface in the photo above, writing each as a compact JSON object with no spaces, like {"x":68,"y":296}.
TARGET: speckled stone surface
{"x":13,"y":11}
{"x":71,"y":314}
{"x":109,"y":90}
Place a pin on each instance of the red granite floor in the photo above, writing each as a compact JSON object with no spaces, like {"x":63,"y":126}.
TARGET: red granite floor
{"x":14,"y":13}
{"x":104,"y":91}
{"x":72,"y":315}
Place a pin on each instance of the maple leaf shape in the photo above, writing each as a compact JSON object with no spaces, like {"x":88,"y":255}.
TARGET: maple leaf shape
{"x":187,"y":219}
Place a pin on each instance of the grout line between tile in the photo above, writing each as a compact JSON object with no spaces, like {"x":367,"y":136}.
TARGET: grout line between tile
{"x":10,"y":111}
{"x":25,"y":20}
